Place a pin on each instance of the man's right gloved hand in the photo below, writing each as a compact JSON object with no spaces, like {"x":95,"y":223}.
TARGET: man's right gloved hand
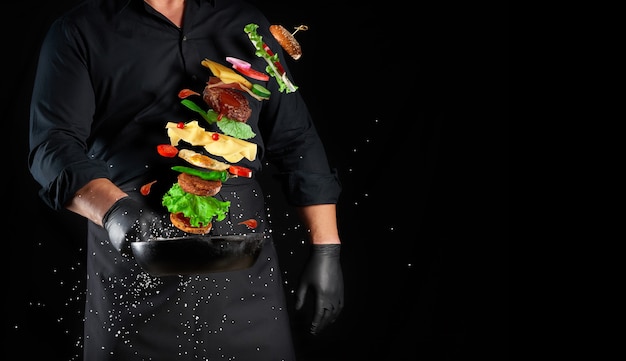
{"x":129,"y":221}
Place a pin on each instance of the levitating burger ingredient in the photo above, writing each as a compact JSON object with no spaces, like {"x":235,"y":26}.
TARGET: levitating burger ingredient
{"x":167,"y":150}
{"x":274,"y":68}
{"x":226,"y":74}
{"x":287,"y":41}
{"x":181,"y":222}
{"x":191,"y":212}
{"x":219,"y":175}
{"x":201,"y":160}
{"x":231,"y":149}
{"x":228,"y":103}
{"x":196,"y":185}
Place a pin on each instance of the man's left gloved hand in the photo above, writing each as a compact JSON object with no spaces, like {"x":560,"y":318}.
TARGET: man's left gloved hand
{"x":129,"y":221}
{"x":323,"y":274}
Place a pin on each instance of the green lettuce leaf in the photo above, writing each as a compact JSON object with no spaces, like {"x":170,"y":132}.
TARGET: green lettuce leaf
{"x":201,"y":210}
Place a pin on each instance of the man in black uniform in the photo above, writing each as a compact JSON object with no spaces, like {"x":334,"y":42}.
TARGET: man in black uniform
{"x":106,"y":86}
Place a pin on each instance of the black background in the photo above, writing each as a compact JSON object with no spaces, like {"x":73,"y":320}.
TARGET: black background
{"x":413,"y":106}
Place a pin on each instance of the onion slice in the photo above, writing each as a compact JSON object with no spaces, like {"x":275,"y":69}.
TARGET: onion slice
{"x":238,"y":62}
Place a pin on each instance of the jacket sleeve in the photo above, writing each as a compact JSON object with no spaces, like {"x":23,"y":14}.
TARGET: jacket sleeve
{"x":61,"y":113}
{"x":294,"y":146}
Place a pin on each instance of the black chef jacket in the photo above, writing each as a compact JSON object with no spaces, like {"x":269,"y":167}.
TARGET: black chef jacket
{"x":106,"y":85}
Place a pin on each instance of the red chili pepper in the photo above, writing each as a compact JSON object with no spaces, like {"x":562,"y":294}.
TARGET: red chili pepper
{"x":180,"y":125}
{"x":278,"y":65}
{"x":251,"y":223}
{"x":215,"y":136}
{"x":145,"y":189}
{"x":167,"y":150}
{"x":267,"y":48}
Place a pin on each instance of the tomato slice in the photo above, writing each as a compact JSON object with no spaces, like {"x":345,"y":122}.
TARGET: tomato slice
{"x":167,"y":150}
{"x":251,"y":73}
{"x":240,"y":171}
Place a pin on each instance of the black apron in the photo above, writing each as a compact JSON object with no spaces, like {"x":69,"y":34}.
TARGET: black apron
{"x":233,"y":315}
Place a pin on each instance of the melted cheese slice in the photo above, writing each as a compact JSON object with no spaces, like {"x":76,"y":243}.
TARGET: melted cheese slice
{"x":231,"y":149}
{"x":226,"y":74}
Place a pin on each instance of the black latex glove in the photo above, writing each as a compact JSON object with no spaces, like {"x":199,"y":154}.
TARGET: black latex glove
{"x":129,"y":221}
{"x":323,"y":275}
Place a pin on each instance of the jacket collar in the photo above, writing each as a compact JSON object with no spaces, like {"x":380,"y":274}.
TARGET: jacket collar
{"x":117,"y":6}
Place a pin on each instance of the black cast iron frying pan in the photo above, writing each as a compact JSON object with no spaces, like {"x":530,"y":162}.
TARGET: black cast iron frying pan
{"x":197,"y":254}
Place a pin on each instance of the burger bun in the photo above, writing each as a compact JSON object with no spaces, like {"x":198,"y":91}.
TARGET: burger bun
{"x":181,"y":222}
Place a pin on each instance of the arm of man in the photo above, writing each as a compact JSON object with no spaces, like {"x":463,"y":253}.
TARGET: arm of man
{"x":322,"y":273}
{"x":321,"y":221}
{"x":125,"y":219}
{"x":94,"y":199}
